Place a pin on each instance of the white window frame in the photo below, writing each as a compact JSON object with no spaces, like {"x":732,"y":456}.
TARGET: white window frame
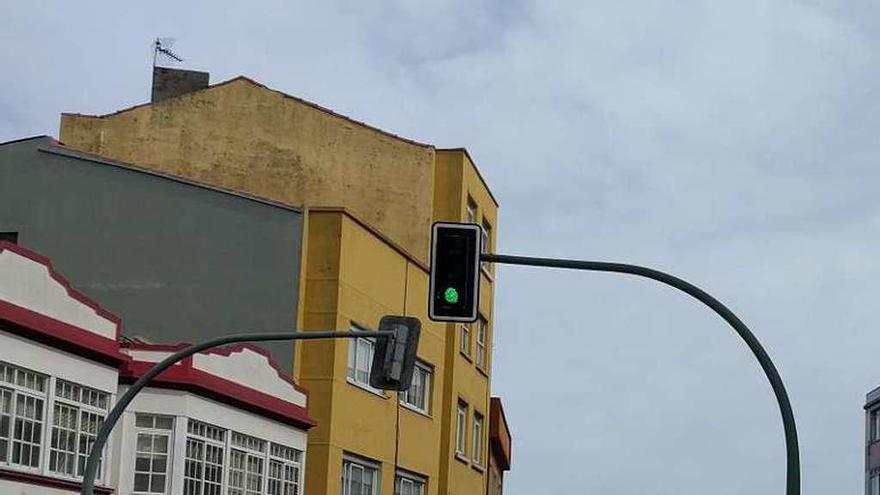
{"x":288,"y":460}
{"x":480,"y":355}
{"x":351,"y":463}
{"x":86,"y":401}
{"x":470,"y":210}
{"x":406,"y":397}
{"x":464,"y":342}
{"x":416,"y":483}
{"x":10,"y":377}
{"x":253,"y":449}
{"x":461,"y":414}
{"x":485,"y":243}
{"x":477,"y":438}
{"x":154,"y":431}
{"x":360,"y":353}
{"x":206,"y":436}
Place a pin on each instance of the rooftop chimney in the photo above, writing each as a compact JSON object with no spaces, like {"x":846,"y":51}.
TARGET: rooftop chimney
{"x":169,"y":82}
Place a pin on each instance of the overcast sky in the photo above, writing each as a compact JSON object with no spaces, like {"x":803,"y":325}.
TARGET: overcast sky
{"x":731,"y":143}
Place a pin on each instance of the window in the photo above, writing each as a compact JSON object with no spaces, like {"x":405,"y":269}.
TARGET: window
{"x":284,"y":470}
{"x":419,"y":393}
{"x":360,"y":359}
{"x":203,"y":465}
{"x":461,"y":429}
{"x":471,"y":212}
{"x":874,"y":484}
{"x":359,"y":477}
{"x":22,"y":401}
{"x":246,"y":462}
{"x":481,"y":342}
{"x":409,"y":484}
{"x":9,"y":237}
{"x":152,"y":453}
{"x":464,"y":343}
{"x":78,"y":413}
{"x":477,"y":439}
{"x":486,"y":241}
{"x":875,"y":425}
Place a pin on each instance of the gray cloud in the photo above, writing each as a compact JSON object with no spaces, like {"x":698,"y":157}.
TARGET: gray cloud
{"x":732,"y":143}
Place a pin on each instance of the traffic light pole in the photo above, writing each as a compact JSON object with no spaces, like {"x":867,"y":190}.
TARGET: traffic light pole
{"x":793,"y":472}
{"x":88,"y":485}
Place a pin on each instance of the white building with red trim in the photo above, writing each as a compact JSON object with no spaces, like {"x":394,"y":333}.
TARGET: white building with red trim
{"x":223,"y":421}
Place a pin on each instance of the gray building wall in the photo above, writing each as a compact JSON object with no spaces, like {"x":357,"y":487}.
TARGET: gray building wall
{"x":178,"y":262}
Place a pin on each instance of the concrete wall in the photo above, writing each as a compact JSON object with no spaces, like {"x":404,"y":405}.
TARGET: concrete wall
{"x":244,"y":136}
{"x":175,"y":261}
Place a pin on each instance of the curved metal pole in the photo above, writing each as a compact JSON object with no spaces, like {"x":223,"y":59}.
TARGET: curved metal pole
{"x":793,"y":472}
{"x":88,"y":486}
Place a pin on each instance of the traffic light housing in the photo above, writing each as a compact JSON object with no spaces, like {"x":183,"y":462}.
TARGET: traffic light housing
{"x":454,"y":289}
{"x":394,"y":358}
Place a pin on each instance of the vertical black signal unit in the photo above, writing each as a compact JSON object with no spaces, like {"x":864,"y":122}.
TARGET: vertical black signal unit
{"x":454,"y":289}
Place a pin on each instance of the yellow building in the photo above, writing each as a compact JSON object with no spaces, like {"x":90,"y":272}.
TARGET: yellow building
{"x":368,"y":199}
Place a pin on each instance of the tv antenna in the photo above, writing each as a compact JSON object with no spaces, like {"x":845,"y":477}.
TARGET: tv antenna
{"x":162,"y":52}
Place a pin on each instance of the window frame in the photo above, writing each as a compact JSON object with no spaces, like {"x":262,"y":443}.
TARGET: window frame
{"x":365,"y":465}
{"x":242,"y":443}
{"x":285,"y":462}
{"x":153,"y":431}
{"x":18,"y":390}
{"x":461,"y":415}
{"x":354,"y":347}
{"x":207,"y":442}
{"x":481,"y":354}
{"x":416,"y":481}
{"x":470,"y":211}
{"x":83,"y":407}
{"x":874,"y":426}
{"x":403,"y":397}
{"x":477,"y":433}
{"x":464,"y":340}
{"x":486,"y":245}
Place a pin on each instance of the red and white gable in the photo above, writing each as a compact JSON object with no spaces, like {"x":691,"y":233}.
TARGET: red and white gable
{"x":38,"y":303}
{"x":240,"y":375}
{"x":62,"y":358}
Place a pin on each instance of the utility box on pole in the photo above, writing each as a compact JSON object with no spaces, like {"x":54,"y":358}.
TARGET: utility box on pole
{"x":454,"y":289}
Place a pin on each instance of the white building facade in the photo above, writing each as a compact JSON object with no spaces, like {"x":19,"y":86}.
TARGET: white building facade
{"x":225,"y":421}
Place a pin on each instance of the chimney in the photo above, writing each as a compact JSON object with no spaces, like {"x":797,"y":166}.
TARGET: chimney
{"x":169,"y":82}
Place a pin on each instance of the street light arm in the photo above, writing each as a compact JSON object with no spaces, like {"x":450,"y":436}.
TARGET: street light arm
{"x":88,"y":486}
{"x":793,"y":472}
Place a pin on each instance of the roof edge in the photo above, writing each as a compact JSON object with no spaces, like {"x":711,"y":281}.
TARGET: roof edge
{"x":61,"y":150}
{"x":373,"y":230}
{"x":267,"y":88}
{"x":476,"y":168}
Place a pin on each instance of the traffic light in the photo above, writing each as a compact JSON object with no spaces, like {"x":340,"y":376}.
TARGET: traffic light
{"x":394,"y":358}
{"x":455,"y":272}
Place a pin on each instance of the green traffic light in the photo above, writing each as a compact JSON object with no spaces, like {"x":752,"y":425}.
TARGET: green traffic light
{"x":450,"y":295}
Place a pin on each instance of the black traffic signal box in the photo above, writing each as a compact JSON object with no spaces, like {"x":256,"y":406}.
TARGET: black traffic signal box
{"x":454,"y":289}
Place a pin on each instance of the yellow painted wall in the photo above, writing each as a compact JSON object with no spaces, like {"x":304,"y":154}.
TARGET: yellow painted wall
{"x":244,"y":136}
{"x":357,"y":264}
{"x":456,"y":178}
{"x":371,"y":278}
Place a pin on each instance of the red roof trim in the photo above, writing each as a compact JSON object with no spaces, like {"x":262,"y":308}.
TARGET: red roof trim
{"x":186,"y":377}
{"x":40,"y":480}
{"x":75,"y":294}
{"x":60,"y":335}
{"x":228,"y":350}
